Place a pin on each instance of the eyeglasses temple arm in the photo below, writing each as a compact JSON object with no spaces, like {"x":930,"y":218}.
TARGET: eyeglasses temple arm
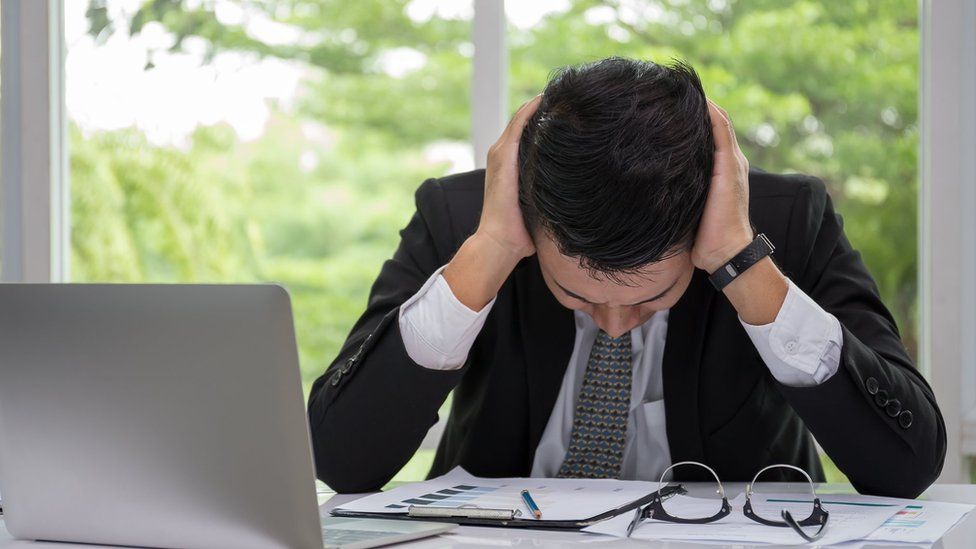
{"x":796,"y":527}
{"x":640,"y":512}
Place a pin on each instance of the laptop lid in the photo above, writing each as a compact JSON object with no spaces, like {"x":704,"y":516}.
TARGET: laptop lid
{"x":154,"y":415}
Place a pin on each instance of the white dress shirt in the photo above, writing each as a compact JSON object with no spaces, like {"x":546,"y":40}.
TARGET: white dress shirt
{"x":801,"y":347}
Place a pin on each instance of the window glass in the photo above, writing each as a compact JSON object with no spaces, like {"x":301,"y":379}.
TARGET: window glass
{"x":237,"y":141}
{"x":230,"y":140}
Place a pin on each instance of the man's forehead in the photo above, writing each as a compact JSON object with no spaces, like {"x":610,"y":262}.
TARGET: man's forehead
{"x":574,"y":276}
{"x":576,"y":269}
{"x":578,"y":282}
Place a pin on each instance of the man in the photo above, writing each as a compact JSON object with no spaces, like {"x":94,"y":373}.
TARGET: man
{"x":564,"y":295}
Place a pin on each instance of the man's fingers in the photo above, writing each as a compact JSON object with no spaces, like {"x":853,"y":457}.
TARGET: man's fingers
{"x":514,"y":129}
{"x":722,"y":131}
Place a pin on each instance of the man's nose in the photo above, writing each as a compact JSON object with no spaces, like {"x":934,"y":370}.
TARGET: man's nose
{"x":616,"y":321}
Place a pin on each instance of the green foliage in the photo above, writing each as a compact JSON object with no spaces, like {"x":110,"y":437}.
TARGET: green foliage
{"x":225,"y":211}
{"x":826,"y":88}
{"x":141,"y":212}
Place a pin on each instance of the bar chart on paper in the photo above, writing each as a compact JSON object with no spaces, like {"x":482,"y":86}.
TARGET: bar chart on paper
{"x":503,"y":496}
{"x":558,"y":499}
{"x":908,"y":519}
{"x":921,"y":522}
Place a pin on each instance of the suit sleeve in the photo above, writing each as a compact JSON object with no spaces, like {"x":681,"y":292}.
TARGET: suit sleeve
{"x":370,"y":410}
{"x":876,"y":418}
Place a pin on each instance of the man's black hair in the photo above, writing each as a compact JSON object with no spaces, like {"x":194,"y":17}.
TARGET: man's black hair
{"x":616,"y":162}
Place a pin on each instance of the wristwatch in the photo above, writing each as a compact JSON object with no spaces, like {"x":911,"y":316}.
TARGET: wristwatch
{"x":755,"y":251}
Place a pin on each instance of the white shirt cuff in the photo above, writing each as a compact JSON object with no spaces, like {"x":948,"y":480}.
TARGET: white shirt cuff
{"x":802,"y":346}
{"x":437,"y":329}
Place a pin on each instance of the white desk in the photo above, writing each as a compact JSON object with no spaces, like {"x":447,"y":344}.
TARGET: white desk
{"x":962,"y":536}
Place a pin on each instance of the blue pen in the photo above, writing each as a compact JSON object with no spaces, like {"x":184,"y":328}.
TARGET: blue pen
{"x":530,"y":503}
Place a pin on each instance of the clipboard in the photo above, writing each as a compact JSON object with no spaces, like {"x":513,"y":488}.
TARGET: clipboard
{"x":510,"y":518}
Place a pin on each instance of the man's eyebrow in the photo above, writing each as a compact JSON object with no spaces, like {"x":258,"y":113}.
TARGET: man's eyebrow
{"x":648,"y":300}
{"x":571,"y":294}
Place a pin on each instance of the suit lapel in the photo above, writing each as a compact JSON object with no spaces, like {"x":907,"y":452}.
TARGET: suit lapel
{"x":682,"y":356}
{"x":548,"y":331}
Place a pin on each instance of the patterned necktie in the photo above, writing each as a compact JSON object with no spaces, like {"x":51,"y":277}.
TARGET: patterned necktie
{"x":596,"y":447}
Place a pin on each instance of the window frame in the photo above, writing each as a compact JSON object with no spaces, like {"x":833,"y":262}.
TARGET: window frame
{"x":947,"y":229}
{"x":33,"y":131}
{"x":489,"y":77}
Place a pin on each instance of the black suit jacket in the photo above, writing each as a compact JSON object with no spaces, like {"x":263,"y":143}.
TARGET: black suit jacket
{"x":372,"y":407}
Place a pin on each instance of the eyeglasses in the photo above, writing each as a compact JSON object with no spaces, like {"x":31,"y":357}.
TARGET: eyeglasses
{"x":656,"y":509}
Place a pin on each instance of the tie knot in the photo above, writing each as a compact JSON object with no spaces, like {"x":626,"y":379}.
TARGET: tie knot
{"x":604,"y":339}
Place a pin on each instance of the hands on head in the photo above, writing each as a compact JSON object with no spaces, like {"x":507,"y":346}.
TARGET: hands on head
{"x":488,"y":257}
{"x":501,"y":217}
{"x":724,"y":229}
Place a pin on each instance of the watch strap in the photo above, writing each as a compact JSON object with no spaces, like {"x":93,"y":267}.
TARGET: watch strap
{"x":759,"y":248}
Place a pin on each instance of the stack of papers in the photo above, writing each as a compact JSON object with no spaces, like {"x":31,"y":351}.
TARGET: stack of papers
{"x":852,"y":518}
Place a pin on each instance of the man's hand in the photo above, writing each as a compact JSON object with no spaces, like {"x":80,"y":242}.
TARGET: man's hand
{"x":501,"y":217}
{"x":487,"y":258}
{"x":725,"y":228}
{"x":758,"y":293}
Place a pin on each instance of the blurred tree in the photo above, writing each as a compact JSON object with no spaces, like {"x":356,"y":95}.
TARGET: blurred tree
{"x":226,"y":211}
{"x":141,"y":212}
{"x":826,"y":88}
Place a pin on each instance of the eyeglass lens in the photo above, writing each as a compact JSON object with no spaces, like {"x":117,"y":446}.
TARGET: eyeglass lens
{"x":792,"y":505}
{"x":769,"y":499}
{"x":707,"y":496}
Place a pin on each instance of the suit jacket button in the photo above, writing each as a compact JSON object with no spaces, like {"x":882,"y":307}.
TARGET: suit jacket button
{"x":893,"y":408}
{"x":871,"y":385}
{"x":336,"y":378}
{"x":881,"y":398}
{"x":905,"y":419}
{"x":347,"y":366}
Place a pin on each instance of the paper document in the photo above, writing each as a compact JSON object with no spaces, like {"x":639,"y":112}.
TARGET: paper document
{"x":557,"y":498}
{"x":852,"y":517}
{"x":921,"y":522}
